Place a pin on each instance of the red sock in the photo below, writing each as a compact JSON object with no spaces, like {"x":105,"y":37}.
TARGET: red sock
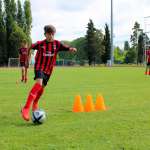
{"x":35,"y":102}
{"x":33,"y":94}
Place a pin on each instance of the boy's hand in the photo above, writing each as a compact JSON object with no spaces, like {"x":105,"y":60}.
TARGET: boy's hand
{"x":72,"y":49}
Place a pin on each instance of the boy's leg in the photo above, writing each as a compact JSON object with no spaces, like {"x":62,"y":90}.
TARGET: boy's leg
{"x":31,"y":97}
{"x":44,"y":83}
{"x":26,"y":71}
{"x":35,"y":102}
{"x":22,"y":74}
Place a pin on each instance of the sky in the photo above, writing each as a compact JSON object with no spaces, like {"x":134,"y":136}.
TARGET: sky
{"x":70,"y":17}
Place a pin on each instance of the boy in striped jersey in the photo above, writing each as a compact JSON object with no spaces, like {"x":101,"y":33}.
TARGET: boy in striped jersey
{"x":44,"y":62}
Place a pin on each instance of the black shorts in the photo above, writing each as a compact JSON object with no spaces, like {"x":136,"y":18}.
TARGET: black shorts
{"x":41,"y":75}
{"x":23,"y":64}
{"x":148,"y":64}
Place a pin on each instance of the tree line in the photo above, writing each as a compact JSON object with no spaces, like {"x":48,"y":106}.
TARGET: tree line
{"x":94,"y":47}
{"x":15,"y":26}
{"x":134,"y":53}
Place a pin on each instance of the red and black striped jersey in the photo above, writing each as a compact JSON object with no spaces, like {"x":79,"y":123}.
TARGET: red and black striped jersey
{"x":23,"y":52}
{"x":45,"y":58}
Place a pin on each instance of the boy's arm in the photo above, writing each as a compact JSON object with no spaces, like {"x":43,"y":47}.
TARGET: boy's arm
{"x":72,"y":49}
{"x":32,"y":46}
{"x":66,"y":48}
{"x":29,"y":54}
{"x":29,"y":51}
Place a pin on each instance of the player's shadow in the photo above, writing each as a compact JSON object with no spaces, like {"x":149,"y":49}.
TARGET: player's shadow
{"x":10,"y":123}
{"x":24,"y":124}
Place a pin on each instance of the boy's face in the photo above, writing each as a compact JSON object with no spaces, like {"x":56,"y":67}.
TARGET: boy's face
{"x":49,"y":37}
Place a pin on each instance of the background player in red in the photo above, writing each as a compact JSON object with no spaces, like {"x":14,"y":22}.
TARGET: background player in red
{"x":147,"y":71}
{"x":23,"y":56}
{"x":44,"y":62}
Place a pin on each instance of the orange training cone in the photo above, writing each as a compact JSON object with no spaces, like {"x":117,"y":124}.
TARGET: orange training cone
{"x":78,"y":106}
{"x":100,"y":103}
{"x":89,"y":106}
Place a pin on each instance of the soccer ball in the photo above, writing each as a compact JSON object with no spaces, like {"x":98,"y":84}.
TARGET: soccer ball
{"x":38,"y":116}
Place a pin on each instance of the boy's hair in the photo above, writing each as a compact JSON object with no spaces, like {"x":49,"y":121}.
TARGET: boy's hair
{"x":49,"y":29}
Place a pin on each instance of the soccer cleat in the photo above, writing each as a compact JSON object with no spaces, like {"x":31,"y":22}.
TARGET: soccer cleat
{"x":25,"y":113}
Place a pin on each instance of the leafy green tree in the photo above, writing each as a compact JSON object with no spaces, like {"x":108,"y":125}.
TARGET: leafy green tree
{"x":126,"y":49}
{"x":146,"y":40}
{"x":28,"y":17}
{"x":99,"y":46}
{"x":15,"y":39}
{"x":91,"y":43}
{"x":15,"y":25}
{"x":20,"y":16}
{"x":126,"y":46}
{"x":107,"y":45}
{"x":134,"y":36}
{"x":134,"y":39}
{"x":119,"y":55}
{"x":3,"y":37}
{"x":63,"y":55}
{"x":80,"y":55}
{"x":8,"y":24}
{"x":13,"y":9}
{"x":130,"y":56}
{"x":141,"y":49}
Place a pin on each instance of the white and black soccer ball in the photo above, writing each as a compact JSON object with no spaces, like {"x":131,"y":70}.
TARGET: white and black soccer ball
{"x":38,"y":116}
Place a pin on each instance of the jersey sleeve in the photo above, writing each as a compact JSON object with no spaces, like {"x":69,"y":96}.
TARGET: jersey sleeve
{"x":63,"y":47}
{"x":35,"y":46}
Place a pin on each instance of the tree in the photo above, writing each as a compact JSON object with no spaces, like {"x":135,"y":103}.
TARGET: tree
{"x":130,"y":56}
{"x":20,"y":16}
{"x":16,"y":37}
{"x":99,"y":45}
{"x":146,"y":40}
{"x":107,"y":46}
{"x":80,"y":55}
{"x":119,"y":55}
{"x":3,"y":37}
{"x":9,"y":24}
{"x":91,"y":43}
{"x":134,"y":39}
{"x":13,"y":9}
{"x":126,"y":46}
{"x":63,"y":55}
{"x":28,"y":17}
{"x":134,"y":36}
{"x":13,"y":19}
{"x":141,"y":49}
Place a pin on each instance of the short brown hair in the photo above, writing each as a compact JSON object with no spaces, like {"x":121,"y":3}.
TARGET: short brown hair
{"x":49,"y":29}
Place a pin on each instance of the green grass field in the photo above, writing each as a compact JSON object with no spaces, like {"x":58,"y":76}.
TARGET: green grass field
{"x":124,"y":126}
